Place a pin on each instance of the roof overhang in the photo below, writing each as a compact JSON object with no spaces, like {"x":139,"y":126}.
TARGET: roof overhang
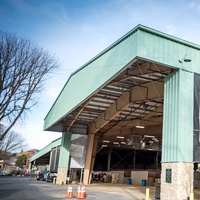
{"x":121,"y":88}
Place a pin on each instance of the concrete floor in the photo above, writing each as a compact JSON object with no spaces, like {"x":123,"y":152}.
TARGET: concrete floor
{"x":21,"y":188}
{"x":119,"y":191}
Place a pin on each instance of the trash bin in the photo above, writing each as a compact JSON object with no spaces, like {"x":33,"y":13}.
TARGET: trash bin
{"x":157,"y":194}
{"x":144,"y":182}
{"x":129,"y":181}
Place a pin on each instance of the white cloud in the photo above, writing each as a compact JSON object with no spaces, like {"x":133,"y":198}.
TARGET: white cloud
{"x":75,"y":37}
{"x":195,"y":5}
{"x":21,"y":5}
{"x":51,"y":92}
{"x":34,"y":135}
{"x":103,"y":40}
{"x":170,"y":29}
{"x":86,"y":28}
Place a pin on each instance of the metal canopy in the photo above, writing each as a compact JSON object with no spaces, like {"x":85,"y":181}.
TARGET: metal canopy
{"x":121,"y":88}
{"x":133,"y":98}
{"x":43,"y":160}
{"x":43,"y":155}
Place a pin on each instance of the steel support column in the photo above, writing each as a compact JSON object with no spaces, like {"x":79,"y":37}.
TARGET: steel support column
{"x":90,"y":157}
{"x":64,"y":158}
{"x":109,"y":159}
{"x":177,"y":139}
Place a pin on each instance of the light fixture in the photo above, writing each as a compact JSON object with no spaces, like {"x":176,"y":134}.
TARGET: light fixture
{"x":155,"y":139}
{"x":120,"y":137}
{"x":106,"y":141}
{"x":104,"y":145}
{"x":147,"y":138}
{"x":115,"y":142}
{"x":184,"y":59}
{"x":139,"y":127}
{"x":143,"y":144}
{"x":123,"y":142}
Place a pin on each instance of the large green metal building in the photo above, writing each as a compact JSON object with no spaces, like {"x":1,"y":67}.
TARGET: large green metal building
{"x":139,"y":93}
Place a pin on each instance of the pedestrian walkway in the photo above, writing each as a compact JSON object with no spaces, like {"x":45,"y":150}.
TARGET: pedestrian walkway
{"x":121,"y":191}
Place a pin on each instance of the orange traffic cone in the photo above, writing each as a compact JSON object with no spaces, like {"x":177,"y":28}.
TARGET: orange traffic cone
{"x":82,"y":193}
{"x":84,"y":190}
{"x":78,"y":195}
{"x":69,"y":192}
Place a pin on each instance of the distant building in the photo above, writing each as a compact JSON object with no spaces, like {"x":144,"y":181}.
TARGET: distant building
{"x":12,"y":160}
{"x":2,"y":164}
{"x":30,"y":153}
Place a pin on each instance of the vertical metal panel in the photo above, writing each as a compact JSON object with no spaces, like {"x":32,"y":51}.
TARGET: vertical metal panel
{"x":177,"y":144}
{"x":168,"y":50}
{"x":55,"y":153}
{"x":57,"y":159}
{"x":52,"y":160}
{"x":196,"y":118}
{"x":65,"y":150}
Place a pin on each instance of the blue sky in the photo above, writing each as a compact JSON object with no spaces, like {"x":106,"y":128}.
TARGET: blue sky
{"x":77,"y":30}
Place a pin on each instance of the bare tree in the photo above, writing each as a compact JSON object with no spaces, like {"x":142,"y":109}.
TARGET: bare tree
{"x":23,"y":69}
{"x":12,"y":142}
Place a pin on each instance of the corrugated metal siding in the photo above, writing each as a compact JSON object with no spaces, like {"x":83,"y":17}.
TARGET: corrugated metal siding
{"x":46,"y":149}
{"x":65,"y":150}
{"x":168,"y":51}
{"x":141,"y":42}
{"x":91,"y":77}
{"x":177,"y":144}
{"x":55,"y":154}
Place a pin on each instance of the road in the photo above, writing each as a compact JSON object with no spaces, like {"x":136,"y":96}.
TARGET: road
{"x":23,"y":188}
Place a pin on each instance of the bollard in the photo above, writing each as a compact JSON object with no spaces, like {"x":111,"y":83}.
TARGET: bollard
{"x":147,"y":194}
{"x":191,"y":196}
{"x":54,"y":180}
{"x":60,"y":181}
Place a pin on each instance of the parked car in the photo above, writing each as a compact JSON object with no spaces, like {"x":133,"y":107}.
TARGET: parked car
{"x":51,"y":175}
{"x":26,"y":173}
{"x":45,"y":176}
{"x":3,"y":174}
{"x":42,"y":175}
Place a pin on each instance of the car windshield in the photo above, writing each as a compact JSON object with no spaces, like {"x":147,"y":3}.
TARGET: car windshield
{"x":45,"y":172}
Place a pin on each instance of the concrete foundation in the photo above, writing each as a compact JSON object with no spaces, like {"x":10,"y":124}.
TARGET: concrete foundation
{"x":62,"y":176}
{"x":180,"y":185}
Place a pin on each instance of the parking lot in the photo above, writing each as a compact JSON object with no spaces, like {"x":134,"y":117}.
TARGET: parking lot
{"x":24,"y":188}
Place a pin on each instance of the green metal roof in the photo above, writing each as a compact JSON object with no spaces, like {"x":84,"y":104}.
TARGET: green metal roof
{"x":140,"y":42}
{"x":46,"y":149}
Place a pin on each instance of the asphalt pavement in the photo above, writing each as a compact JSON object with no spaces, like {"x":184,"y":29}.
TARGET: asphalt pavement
{"x":24,"y":188}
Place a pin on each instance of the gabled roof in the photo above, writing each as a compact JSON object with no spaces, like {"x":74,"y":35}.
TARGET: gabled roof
{"x":46,"y":149}
{"x":144,"y":53}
